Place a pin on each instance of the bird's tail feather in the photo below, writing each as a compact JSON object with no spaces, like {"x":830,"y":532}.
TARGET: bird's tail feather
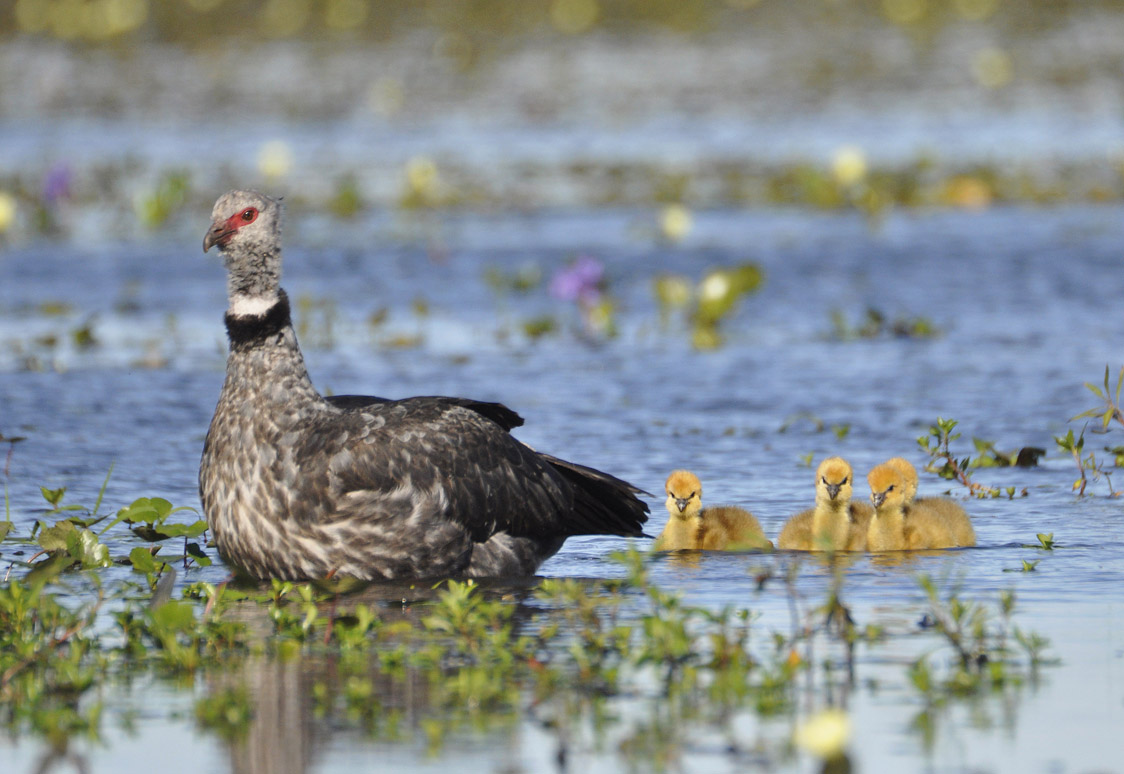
{"x":603,"y":504}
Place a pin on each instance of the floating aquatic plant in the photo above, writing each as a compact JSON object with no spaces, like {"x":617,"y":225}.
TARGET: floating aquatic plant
{"x":936,"y":443}
{"x":710,"y":302}
{"x":875,"y":324}
{"x":347,"y":201}
{"x":156,"y":206}
{"x":1108,"y":412}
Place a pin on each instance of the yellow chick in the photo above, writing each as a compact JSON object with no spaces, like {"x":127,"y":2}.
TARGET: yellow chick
{"x":719,"y":528}
{"x":943,"y":509}
{"x":835,"y":523}
{"x":887,"y":530}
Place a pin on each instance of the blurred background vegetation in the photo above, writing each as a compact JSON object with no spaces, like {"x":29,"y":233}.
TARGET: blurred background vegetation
{"x":346,"y":105}
{"x":193,"y":21}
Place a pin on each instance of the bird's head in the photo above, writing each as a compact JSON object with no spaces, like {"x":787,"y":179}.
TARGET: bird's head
{"x":244,"y":220}
{"x":909,"y":476}
{"x":887,"y":487}
{"x":684,"y":494}
{"x":246,"y":228}
{"x":833,"y":481}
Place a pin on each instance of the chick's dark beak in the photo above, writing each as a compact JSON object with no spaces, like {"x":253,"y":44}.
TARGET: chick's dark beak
{"x":877,"y":498}
{"x":833,"y":490}
{"x":681,"y":504}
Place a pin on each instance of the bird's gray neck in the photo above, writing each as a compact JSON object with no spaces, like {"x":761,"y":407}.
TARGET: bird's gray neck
{"x":253,"y":280}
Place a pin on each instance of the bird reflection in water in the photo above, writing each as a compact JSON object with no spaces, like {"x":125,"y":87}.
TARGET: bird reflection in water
{"x":300,"y":703}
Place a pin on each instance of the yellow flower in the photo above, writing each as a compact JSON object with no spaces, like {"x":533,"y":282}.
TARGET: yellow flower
{"x":7,"y":211}
{"x":715,"y":287}
{"x":675,"y":222}
{"x":848,"y":165}
{"x":275,"y":159}
{"x":421,"y":175}
{"x":825,"y":734}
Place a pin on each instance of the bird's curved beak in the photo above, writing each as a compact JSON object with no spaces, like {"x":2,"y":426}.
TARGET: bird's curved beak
{"x":217,"y":235}
{"x":681,"y":504}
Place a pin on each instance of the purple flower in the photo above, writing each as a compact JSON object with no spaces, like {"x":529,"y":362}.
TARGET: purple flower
{"x":57,"y":183}
{"x":580,"y":281}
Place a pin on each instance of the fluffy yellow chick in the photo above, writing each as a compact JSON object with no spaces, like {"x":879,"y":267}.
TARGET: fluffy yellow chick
{"x":941,"y":509}
{"x":835,"y":523}
{"x":886,"y":531}
{"x":720,"y":528}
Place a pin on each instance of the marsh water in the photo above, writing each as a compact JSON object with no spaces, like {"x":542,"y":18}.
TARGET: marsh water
{"x":112,"y":352}
{"x":1023,"y":299}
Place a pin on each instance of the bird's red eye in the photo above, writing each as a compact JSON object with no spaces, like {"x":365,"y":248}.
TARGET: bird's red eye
{"x":249,"y":214}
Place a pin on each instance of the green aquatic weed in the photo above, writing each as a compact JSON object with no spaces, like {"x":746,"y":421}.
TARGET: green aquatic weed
{"x":1087,"y":464}
{"x":1109,"y":397}
{"x":937,"y":444}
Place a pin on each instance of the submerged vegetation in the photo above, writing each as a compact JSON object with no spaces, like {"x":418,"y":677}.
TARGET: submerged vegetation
{"x":946,"y":464}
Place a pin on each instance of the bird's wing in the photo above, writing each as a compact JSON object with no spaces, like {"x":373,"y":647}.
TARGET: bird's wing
{"x":497,"y":412}
{"x":431,"y":460}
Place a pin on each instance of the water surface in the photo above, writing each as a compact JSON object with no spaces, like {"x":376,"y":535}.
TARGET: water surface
{"x":1022,"y":298}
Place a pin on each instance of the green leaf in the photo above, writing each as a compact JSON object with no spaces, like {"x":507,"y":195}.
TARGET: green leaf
{"x":142,"y":560}
{"x":154,"y":534}
{"x":150,"y":512}
{"x":5,"y":528}
{"x":175,"y":615}
{"x":101,"y":492}
{"x":84,"y":548}
{"x":192,"y":530}
{"x":53,"y":496}
{"x":196,"y":553}
{"x":47,"y":570}
{"x":54,"y":539}
{"x":81,"y":521}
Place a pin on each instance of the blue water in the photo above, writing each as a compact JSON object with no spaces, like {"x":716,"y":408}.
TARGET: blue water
{"x":560,"y":147}
{"x":1022,"y":297}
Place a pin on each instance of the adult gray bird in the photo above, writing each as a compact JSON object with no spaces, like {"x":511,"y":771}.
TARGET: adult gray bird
{"x":299,"y":486}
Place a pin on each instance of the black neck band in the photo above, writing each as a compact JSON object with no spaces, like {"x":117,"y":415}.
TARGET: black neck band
{"x":256,"y":328}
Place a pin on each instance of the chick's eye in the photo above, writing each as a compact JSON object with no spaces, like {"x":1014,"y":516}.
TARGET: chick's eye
{"x":249,"y":214}
{"x":843,"y":482}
